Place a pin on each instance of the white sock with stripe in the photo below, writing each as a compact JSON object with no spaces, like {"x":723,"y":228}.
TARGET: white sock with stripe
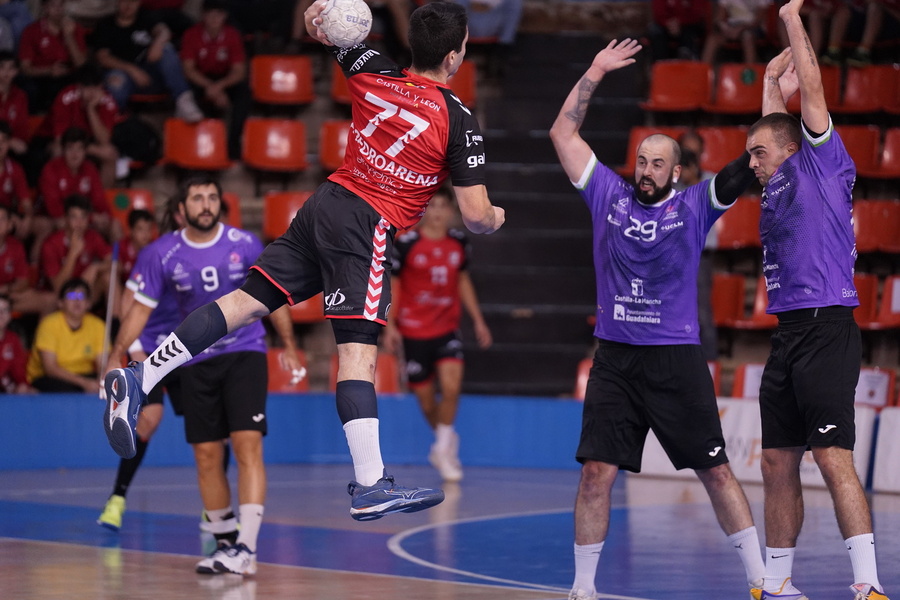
{"x":170,"y":355}
{"x":362,"y":437}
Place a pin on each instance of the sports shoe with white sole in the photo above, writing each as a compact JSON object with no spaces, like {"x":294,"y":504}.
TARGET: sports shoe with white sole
{"x":865,"y":591}
{"x":111,"y":517}
{"x":579,"y":594}
{"x":446,"y":464}
{"x":124,"y":398}
{"x":385,"y":497}
{"x":786,"y":591}
{"x":237,"y":559}
{"x":207,"y":565}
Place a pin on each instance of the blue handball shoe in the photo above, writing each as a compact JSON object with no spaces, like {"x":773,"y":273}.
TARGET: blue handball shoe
{"x":124,"y":398}
{"x":385,"y":497}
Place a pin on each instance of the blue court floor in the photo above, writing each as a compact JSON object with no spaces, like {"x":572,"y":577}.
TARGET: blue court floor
{"x":501,"y":533}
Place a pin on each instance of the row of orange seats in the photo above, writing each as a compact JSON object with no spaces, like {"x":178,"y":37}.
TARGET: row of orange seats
{"x":876,"y":156}
{"x":388,"y":378}
{"x":736,"y":88}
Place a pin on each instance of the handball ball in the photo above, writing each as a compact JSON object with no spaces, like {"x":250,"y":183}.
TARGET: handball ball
{"x":346,"y":22}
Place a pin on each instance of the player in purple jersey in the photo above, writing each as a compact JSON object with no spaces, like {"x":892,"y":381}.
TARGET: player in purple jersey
{"x":808,"y":385}
{"x":649,"y":371}
{"x":223,"y":388}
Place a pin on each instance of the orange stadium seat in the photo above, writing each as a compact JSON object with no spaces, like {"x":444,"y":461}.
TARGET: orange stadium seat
{"x":893,"y":105}
{"x":281,"y":380}
{"x":279,"y":209}
{"x":637,"y":135}
{"x":387,"y":374}
{"x":875,"y":387}
{"x":888,"y":166}
{"x":746,"y":380}
{"x":311,"y":310}
{"x":282,"y":79}
{"x":581,"y":378}
{"x":233,"y":203}
{"x":866,"y":89}
{"x":759,"y":319}
{"x":200,"y":146}
{"x":340,"y":93}
{"x":888,"y":310}
{"x":721,"y":145}
{"x":890,"y":211}
{"x":869,"y":225}
{"x":727,"y":298}
{"x":333,"y":143}
{"x":739,"y":227}
{"x":867,"y":292}
{"x":678,"y":86}
{"x":863,"y":142}
{"x":123,"y":200}
{"x":738,"y":89}
{"x":464,"y":83}
{"x":275,"y":144}
{"x":831,"y":83}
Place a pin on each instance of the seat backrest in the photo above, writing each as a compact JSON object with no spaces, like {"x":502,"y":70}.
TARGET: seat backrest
{"x":311,"y":310}
{"x":286,"y":381}
{"x":201,"y":146}
{"x":387,"y":374}
{"x":889,"y":306}
{"x":282,"y":79}
{"x":866,"y":89}
{"x":747,"y":378}
{"x":863,"y":143}
{"x":867,"y":294}
{"x":333,"y":143}
{"x":123,"y":200}
{"x":875,"y":387}
{"x":739,"y":226}
{"x":275,"y":144}
{"x":727,"y":297}
{"x":464,"y":83}
{"x":721,"y":145}
{"x":233,"y":203}
{"x":279,"y":209}
{"x":581,"y":378}
{"x":890,"y":215}
{"x":340,"y":92}
{"x":831,"y":83}
{"x":738,"y":89}
{"x":678,"y":85}
{"x":890,"y":154}
{"x":760,"y":304}
{"x":867,"y":224}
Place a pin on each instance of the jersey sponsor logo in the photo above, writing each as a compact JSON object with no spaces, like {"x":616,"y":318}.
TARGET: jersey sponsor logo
{"x":827,"y":428}
{"x":613,"y":221}
{"x":334,"y":299}
{"x":637,"y":287}
{"x":411,"y":97}
{"x":473,"y":139}
{"x":388,"y":166}
{"x":845,"y":293}
{"x":363,"y":59}
{"x":475,"y":160}
{"x":236,"y":235}
{"x":715,"y":451}
{"x":670,"y":226}
{"x":258,"y":417}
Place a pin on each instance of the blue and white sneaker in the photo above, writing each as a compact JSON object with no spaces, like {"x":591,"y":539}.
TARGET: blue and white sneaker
{"x":124,"y":398}
{"x":385,"y":497}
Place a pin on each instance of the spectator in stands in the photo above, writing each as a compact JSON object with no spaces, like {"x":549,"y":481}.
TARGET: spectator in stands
{"x":170,"y":12}
{"x":142,"y":231}
{"x":494,"y":20}
{"x":71,"y":173}
{"x":678,"y":28}
{"x":17,"y":15}
{"x":15,"y":196}
{"x":692,"y":141}
{"x":137,"y":55}
{"x":50,"y":51}
{"x":816,"y":14}
{"x":13,"y":104}
{"x":13,"y":263}
{"x":736,"y":20}
{"x":13,"y":356}
{"x":873,"y":13}
{"x":68,"y":344}
{"x":212,"y":54}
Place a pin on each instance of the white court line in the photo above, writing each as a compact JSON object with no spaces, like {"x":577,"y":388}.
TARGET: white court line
{"x":395,"y":546}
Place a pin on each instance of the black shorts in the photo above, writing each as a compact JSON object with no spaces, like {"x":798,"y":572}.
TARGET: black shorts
{"x":423,"y":355}
{"x":337,"y":243}
{"x":223,"y":394}
{"x":170,"y":384}
{"x":632,"y":389}
{"x":809,"y":384}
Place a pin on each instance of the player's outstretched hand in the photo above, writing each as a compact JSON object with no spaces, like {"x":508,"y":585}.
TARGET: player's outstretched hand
{"x":312,"y":19}
{"x":616,"y":55}
{"x":790,"y":9}
{"x":781,"y":69}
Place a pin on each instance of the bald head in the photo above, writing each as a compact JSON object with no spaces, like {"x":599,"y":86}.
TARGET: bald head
{"x":656,"y":168}
{"x":659,"y":143}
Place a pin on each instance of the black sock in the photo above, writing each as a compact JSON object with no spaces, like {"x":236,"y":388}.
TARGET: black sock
{"x":128,"y":467}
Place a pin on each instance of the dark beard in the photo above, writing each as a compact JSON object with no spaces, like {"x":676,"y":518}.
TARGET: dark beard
{"x":196,"y":224}
{"x":653,"y":196}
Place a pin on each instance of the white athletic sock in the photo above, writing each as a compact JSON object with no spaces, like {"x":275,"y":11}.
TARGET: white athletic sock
{"x":362,"y":437}
{"x":251,"y":519}
{"x":862,"y":557}
{"x":221,"y":520}
{"x":170,"y":355}
{"x":779,"y":565}
{"x":443,"y":437}
{"x":746,"y":542}
{"x":586,"y":559}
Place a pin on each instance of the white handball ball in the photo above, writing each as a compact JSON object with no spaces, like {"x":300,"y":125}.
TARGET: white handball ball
{"x":346,"y":22}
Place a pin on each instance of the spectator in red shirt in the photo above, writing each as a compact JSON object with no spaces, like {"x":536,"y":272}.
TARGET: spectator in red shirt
{"x":13,"y":264}
{"x":14,"y":193}
{"x":214,"y":62}
{"x":13,"y":356}
{"x":143,"y":231}
{"x":50,"y":50}
{"x":13,"y":104}
{"x":678,"y":28}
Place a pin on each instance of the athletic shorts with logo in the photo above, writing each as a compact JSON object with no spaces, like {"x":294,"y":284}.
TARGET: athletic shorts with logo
{"x":337,"y":243}
{"x":809,"y":383}
{"x":422,"y":356}
{"x":224,"y":393}
{"x":633,"y":389}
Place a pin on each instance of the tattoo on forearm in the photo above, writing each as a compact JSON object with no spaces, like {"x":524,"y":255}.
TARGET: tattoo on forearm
{"x":809,"y":51}
{"x":586,"y":89}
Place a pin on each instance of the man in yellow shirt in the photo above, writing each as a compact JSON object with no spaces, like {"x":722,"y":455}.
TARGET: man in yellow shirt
{"x":67,"y":346}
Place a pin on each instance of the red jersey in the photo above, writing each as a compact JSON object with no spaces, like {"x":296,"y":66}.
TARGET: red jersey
{"x":13,"y":263}
{"x":56,"y":246}
{"x":13,"y":358}
{"x":43,"y":48}
{"x":58,"y":181}
{"x":128,"y":254}
{"x":69,"y":111}
{"x":213,"y":57}
{"x":428,"y":271}
{"x":408,"y":133}
{"x":13,"y":186}
{"x":14,"y":110}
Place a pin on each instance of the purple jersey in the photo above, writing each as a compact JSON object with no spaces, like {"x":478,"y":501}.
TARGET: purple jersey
{"x":196,"y":274}
{"x":646,"y":258}
{"x":165,"y":316}
{"x":807,"y":228}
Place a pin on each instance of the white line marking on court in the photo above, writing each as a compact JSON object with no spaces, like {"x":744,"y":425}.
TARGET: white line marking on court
{"x":395,"y":545}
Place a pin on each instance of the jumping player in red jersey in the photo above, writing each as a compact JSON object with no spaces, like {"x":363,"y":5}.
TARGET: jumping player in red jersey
{"x":430,"y":268}
{"x":409,"y":134}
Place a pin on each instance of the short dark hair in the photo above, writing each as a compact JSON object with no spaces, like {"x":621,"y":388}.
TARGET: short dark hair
{"x":435,"y":30}
{"x":197,"y":179}
{"x":76,"y":201}
{"x":74,"y":284}
{"x":689,"y":158}
{"x":136,"y":215}
{"x":7,"y":56}
{"x":5,"y":129}
{"x":7,"y":209}
{"x":89,"y":75}
{"x":785,"y":128}
{"x":74,"y":135}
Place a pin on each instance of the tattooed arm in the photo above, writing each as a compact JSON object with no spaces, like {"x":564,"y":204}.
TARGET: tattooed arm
{"x":812,"y":95}
{"x":573,"y":151}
